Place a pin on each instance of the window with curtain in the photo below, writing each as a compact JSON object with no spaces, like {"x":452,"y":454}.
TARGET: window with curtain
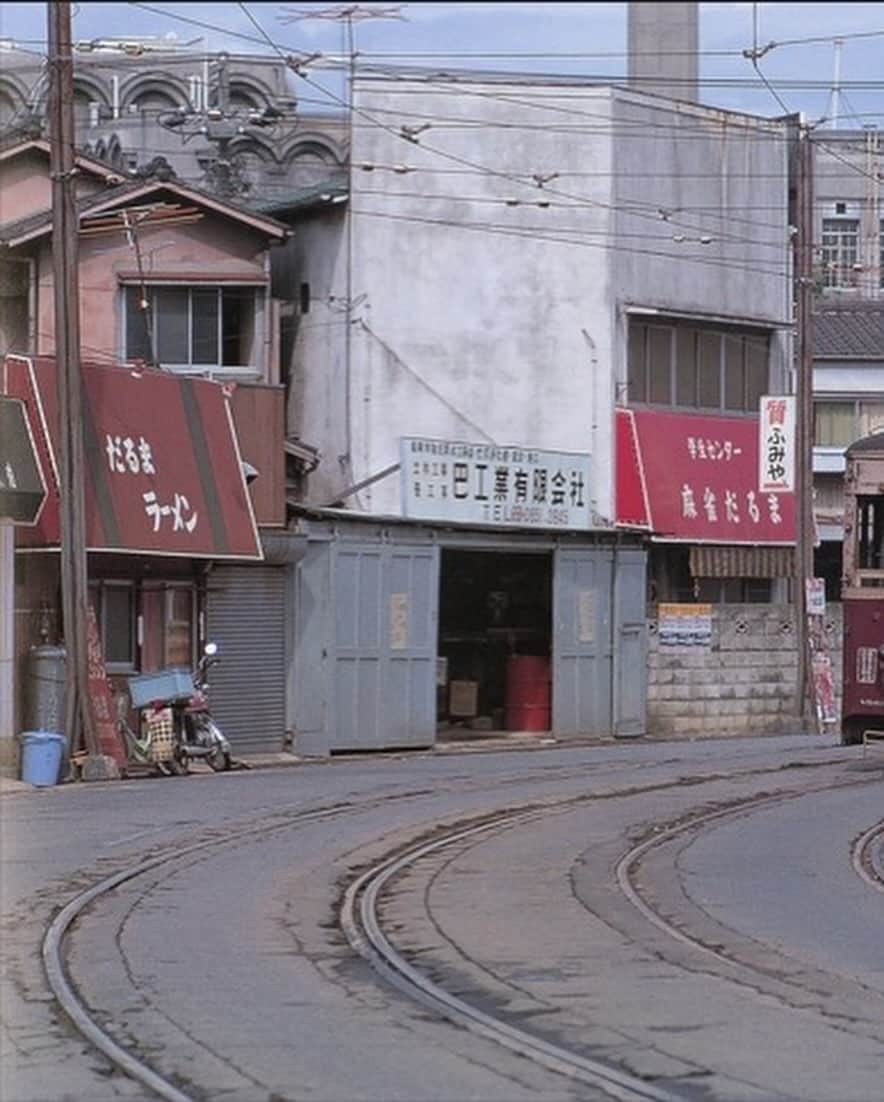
{"x":835,"y":423}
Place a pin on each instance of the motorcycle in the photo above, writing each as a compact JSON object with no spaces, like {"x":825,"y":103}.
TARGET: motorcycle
{"x":175,"y":724}
{"x":202,"y":737}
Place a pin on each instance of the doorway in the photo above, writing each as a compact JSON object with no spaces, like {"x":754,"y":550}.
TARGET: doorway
{"x":495,"y":640}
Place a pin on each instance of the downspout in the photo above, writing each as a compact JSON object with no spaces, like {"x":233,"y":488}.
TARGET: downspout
{"x":33,"y":303}
{"x":270,"y":371}
{"x":594,"y":427}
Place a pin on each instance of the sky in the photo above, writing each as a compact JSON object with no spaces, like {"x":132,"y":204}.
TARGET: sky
{"x":588,"y":40}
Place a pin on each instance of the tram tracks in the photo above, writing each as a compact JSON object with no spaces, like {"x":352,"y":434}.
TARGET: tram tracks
{"x":867,"y":856}
{"x":359,"y":920}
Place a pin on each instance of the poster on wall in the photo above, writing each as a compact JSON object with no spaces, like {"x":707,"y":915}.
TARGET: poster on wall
{"x":816,"y":596}
{"x":684,"y":626}
{"x":824,"y":688}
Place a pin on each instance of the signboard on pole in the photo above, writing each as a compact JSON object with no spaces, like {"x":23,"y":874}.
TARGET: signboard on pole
{"x":22,"y":489}
{"x":489,"y":484}
{"x":776,"y":437}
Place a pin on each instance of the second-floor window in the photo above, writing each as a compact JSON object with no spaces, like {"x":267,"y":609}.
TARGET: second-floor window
{"x":202,"y":329}
{"x":840,"y":252}
{"x":685,"y":367}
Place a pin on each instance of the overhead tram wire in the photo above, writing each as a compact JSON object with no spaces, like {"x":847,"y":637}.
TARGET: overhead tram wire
{"x":542,"y":235}
{"x":328,"y":95}
{"x":273,"y":45}
{"x":481,"y":168}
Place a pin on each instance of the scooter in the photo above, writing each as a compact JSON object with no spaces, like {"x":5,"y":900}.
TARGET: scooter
{"x":200,"y":735}
{"x":173,"y":730}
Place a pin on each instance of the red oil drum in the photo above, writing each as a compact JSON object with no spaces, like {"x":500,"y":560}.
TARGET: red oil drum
{"x":528,"y":693}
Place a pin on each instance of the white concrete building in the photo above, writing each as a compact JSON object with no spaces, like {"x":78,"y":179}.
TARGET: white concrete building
{"x":500,"y":240}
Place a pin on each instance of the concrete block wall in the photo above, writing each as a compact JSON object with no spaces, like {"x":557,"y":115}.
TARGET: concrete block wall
{"x":742,"y":683}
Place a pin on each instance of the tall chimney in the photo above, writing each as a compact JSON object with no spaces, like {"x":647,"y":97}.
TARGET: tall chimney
{"x":662,"y":46}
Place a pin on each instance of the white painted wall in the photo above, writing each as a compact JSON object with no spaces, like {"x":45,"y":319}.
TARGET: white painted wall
{"x":476,"y":319}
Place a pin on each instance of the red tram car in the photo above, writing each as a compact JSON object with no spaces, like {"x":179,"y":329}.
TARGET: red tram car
{"x":862,"y":590}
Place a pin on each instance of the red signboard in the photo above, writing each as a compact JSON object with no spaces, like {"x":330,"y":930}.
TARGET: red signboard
{"x":695,"y":478}
{"x":110,"y":740}
{"x":163,"y":468}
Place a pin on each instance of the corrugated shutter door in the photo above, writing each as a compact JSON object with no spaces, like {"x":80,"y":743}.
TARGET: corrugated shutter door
{"x":246,"y":618}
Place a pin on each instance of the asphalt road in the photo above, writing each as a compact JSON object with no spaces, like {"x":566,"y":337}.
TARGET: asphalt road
{"x":761,"y":978}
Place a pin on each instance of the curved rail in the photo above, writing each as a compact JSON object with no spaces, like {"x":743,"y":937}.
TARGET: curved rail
{"x":865,"y":864}
{"x":360,"y":923}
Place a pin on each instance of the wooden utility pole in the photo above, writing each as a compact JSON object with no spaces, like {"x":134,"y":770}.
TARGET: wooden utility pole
{"x":805,"y":415}
{"x":80,"y":725}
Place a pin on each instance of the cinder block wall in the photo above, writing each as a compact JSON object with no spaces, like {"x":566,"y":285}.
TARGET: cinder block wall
{"x":743,"y":683}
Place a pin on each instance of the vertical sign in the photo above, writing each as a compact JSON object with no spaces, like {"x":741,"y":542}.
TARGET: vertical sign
{"x":776,"y":438}
{"x":109,"y":739}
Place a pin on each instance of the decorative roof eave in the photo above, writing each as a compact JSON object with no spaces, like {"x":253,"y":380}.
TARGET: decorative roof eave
{"x":128,"y":193}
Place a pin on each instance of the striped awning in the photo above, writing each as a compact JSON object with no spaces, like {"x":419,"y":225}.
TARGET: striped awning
{"x":712,"y":561}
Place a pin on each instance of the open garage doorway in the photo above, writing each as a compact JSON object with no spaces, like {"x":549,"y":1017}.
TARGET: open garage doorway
{"x":495,"y":641}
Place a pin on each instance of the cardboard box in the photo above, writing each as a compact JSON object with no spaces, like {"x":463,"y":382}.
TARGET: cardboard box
{"x":463,"y":698}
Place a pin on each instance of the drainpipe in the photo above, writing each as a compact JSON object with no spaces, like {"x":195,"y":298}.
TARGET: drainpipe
{"x":594,"y":368}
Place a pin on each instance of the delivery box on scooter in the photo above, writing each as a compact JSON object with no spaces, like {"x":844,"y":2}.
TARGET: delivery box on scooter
{"x":163,"y":685}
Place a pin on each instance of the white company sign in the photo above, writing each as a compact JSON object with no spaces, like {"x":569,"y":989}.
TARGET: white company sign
{"x":490,"y":484}
{"x":776,"y":438}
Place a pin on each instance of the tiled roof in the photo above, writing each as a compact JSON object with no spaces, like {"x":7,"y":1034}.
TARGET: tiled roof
{"x":854,"y":332}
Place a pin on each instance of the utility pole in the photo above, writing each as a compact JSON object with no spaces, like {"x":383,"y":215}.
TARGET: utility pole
{"x":80,"y":726}
{"x":805,"y":415}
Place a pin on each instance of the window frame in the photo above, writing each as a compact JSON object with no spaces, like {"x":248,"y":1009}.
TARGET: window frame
{"x":840,"y":246}
{"x":137,"y":588}
{"x":97,"y":595}
{"x":709,"y":348}
{"x":131,"y":293}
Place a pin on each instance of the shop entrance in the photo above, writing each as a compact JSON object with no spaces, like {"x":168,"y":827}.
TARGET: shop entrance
{"x":495,"y":641}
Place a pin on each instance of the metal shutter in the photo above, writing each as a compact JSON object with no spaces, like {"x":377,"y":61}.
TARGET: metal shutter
{"x":246,"y":618}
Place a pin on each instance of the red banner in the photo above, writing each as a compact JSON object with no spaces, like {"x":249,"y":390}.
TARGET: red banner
{"x":695,"y":478}
{"x":163,"y":466}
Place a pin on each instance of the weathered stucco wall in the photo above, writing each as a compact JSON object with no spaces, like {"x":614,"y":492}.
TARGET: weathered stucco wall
{"x":742,"y":683}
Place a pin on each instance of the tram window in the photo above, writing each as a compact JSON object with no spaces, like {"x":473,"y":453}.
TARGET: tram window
{"x":870,"y":533}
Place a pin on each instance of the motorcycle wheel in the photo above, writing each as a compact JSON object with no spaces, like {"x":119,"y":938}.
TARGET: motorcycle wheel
{"x":177,"y":766}
{"x":219,"y":760}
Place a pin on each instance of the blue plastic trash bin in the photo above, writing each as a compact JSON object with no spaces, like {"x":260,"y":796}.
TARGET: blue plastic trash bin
{"x":41,"y":755}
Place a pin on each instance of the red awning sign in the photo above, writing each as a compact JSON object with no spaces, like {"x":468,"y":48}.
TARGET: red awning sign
{"x":164,"y":475}
{"x":694,"y":478}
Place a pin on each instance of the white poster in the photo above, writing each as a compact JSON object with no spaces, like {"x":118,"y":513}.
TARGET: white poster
{"x":487,"y":484}
{"x":398,"y":621}
{"x":776,"y":440}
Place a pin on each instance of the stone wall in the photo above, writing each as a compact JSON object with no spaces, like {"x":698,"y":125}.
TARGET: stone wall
{"x":743,"y":682}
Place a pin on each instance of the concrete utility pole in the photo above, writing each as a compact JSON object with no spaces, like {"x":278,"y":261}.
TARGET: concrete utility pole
{"x":80,"y":725}
{"x":805,"y":417}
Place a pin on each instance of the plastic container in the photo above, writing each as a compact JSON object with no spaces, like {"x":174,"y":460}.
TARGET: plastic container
{"x":162,"y":686}
{"x":41,"y":757}
{"x":528,"y":694}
